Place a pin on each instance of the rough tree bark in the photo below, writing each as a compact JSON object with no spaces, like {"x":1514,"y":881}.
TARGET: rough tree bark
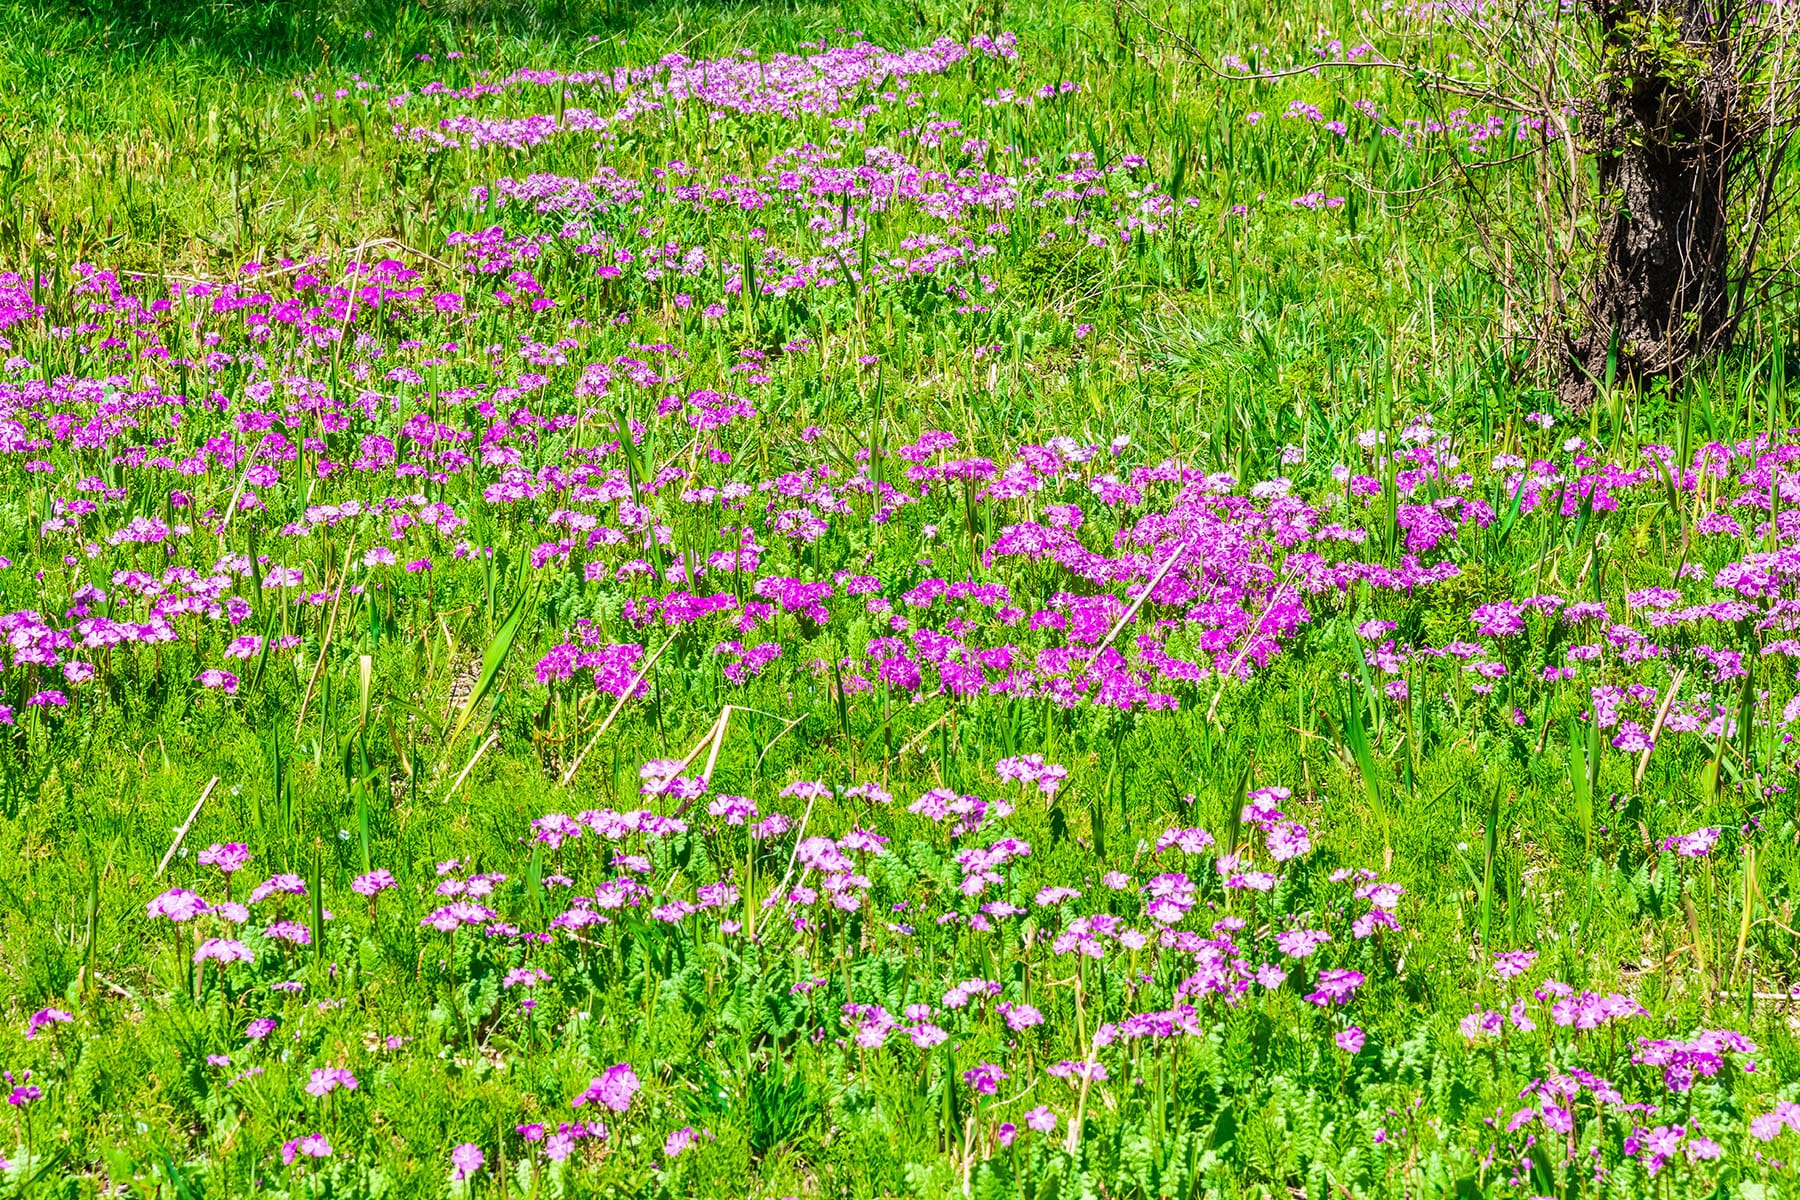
{"x":1666,"y":126}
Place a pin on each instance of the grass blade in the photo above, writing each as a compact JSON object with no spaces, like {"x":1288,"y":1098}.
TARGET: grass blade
{"x":492,"y":660}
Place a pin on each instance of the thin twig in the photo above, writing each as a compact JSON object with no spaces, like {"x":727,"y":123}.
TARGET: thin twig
{"x":470,"y":765}
{"x":182,"y":829}
{"x":920,"y":736}
{"x":794,"y":851}
{"x":1662,"y":713}
{"x":784,"y":732}
{"x":1437,"y":79}
{"x":1144,"y":595}
{"x":1213,"y":708}
{"x":325,"y":645}
{"x":619,"y":704}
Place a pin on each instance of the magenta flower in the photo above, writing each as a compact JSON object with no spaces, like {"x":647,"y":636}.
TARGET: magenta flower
{"x":1767,"y":1127}
{"x":465,"y":1160}
{"x":1590,"y":1010}
{"x":984,"y":1078}
{"x":223,"y":950}
{"x":925,"y":1035}
{"x":1350,"y":1041}
{"x":313,"y":1145}
{"x":1510,"y":964}
{"x":1376,"y":918}
{"x":774,"y":825}
{"x":1188,"y":841}
{"x":43,"y":1017}
{"x":326,"y":1080}
{"x":225,"y":681}
{"x":1020,"y":1017}
{"x":227,"y":858}
{"x":177,"y":904}
{"x":1697,"y":844}
{"x":613,"y":1089}
{"x":373,"y":883}
{"x":1701,"y":1149}
{"x":464,"y":912}
{"x":1382,"y":895}
{"x":1070,"y":1070}
{"x":287,"y":884}
{"x":1480,"y":1024}
{"x":1288,"y":840}
{"x":959,"y":995}
{"x":734,"y":810}
{"x":1336,"y":986}
{"x":1299,"y":943}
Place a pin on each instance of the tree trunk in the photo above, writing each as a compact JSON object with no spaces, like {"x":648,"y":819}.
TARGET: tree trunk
{"x":1663,"y":128}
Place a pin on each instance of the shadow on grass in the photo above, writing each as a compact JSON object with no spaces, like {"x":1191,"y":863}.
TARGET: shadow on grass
{"x":282,"y":34}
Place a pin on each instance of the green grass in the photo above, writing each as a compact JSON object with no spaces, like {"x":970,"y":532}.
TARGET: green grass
{"x":405,"y":726}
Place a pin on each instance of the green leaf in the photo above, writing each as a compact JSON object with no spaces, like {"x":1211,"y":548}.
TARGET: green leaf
{"x":492,"y":660}
{"x":1580,"y":783}
{"x":1490,"y":849}
{"x":1364,"y":754}
{"x":1512,"y":515}
{"x":315,"y":886}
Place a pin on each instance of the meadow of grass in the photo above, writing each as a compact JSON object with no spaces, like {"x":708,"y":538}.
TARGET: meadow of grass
{"x":797,"y":600}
